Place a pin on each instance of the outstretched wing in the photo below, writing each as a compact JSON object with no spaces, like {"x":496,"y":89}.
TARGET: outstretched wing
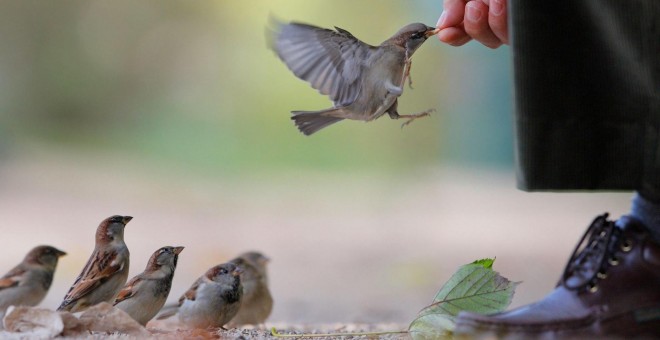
{"x":331,"y":61}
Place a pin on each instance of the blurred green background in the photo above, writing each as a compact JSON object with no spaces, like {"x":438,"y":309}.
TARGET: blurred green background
{"x":192,"y":86}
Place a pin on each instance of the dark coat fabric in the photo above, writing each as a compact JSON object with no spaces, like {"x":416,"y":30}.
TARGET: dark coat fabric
{"x":587,"y":94}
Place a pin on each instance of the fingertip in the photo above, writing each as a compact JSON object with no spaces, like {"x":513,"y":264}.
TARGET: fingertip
{"x":474,"y":11}
{"x":497,"y":20}
{"x":492,"y":44}
{"x":452,"y":36}
{"x":452,"y":13}
{"x":461,"y":41}
{"x":477,"y":26}
{"x":497,"y":7}
{"x":441,"y":20}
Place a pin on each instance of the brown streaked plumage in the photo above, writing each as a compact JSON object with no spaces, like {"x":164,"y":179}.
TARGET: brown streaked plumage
{"x":106,"y":270}
{"x":363,"y":81}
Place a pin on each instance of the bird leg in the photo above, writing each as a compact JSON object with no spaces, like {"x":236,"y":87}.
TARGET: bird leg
{"x":406,"y":71}
{"x":398,"y":90}
{"x":407,"y":74}
{"x":395,"y":115}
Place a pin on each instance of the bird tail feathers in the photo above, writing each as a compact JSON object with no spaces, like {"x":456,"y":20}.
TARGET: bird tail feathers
{"x":308,"y":122}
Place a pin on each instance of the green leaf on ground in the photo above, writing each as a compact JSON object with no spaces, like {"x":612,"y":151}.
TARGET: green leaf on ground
{"x":475,"y":288}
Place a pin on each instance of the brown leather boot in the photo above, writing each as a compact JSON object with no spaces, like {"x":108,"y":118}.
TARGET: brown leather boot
{"x":610,"y":288}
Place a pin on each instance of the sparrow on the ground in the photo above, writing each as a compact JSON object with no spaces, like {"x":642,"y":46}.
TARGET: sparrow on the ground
{"x":106,"y":270}
{"x":28,"y":282}
{"x":212,"y":300}
{"x":257,"y":302}
{"x":363,"y":81}
{"x":144,"y":295}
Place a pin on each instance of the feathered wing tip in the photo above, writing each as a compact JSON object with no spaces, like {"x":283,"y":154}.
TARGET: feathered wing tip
{"x":167,"y":311}
{"x":272,"y":30}
{"x":65,"y":306}
{"x":308,"y":122}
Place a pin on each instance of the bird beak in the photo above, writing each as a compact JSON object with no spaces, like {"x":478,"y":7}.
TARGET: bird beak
{"x":60,"y":253}
{"x":178,"y":250}
{"x":238,"y":271}
{"x":431,"y":32}
{"x":126,"y":219}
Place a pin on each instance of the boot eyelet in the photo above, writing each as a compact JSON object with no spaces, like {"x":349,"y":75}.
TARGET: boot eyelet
{"x":601,"y":275}
{"x":626,"y":246}
{"x":613,"y":261}
{"x":592,"y":287}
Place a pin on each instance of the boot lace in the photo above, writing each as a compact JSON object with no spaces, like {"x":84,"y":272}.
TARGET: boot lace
{"x":594,"y":255}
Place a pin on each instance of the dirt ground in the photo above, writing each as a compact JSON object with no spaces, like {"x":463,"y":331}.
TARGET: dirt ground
{"x":345,"y":248}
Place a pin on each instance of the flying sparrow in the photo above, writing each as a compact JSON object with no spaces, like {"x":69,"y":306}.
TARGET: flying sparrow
{"x":363,"y":81}
{"x":257,"y":302}
{"x":106,"y":270}
{"x":212,"y":300}
{"x":144,"y":295}
{"x":28,"y":282}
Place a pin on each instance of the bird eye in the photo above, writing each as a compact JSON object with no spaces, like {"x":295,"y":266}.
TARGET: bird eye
{"x":418,"y":35}
{"x":223,"y":271}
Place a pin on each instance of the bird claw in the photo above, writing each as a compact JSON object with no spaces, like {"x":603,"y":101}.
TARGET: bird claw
{"x":415,"y":116}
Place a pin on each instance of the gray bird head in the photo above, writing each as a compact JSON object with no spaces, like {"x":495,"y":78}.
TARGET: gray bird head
{"x":225,"y":274}
{"x":112,"y":228}
{"x":255,"y":258}
{"x":44,"y":255}
{"x":253,"y":264}
{"x":228,"y":276}
{"x":412,"y":36}
{"x":165,"y":256}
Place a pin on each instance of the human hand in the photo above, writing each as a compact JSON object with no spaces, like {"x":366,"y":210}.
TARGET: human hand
{"x":482,"y":20}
